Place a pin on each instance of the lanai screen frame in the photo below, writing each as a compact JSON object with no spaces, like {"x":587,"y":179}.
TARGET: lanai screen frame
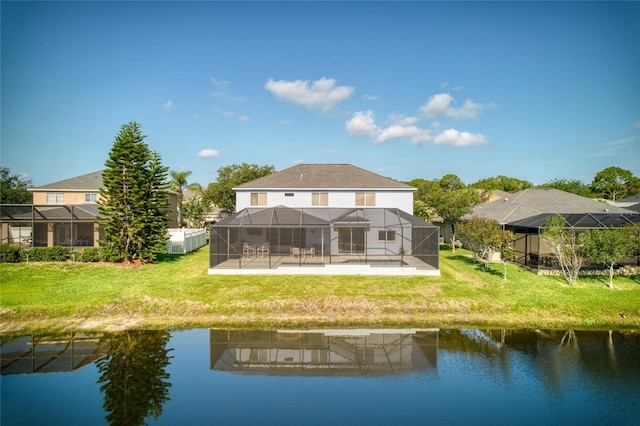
{"x":283,"y":228}
{"x":38,"y":217}
{"x":529,"y":231}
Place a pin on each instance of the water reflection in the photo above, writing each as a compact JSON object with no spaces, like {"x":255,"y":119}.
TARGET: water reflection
{"x":133,"y":376}
{"x":51,"y":354}
{"x":322,"y":377}
{"x":323,"y":353}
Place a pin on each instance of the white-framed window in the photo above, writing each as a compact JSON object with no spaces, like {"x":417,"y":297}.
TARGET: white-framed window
{"x":365,"y":199}
{"x":90,"y":198}
{"x":55,"y":198}
{"x":386,"y":235}
{"x":258,"y":198}
{"x":319,"y":198}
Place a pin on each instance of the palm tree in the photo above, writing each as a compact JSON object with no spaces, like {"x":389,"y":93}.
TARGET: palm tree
{"x":179,"y":184}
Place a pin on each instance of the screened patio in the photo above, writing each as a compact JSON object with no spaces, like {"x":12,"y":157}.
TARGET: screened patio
{"x":32,"y":225}
{"x":531,"y":249}
{"x":284,"y":238}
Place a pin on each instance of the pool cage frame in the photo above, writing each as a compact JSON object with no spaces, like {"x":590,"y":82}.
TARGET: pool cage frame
{"x":269,"y":237}
{"x":532,"y":251}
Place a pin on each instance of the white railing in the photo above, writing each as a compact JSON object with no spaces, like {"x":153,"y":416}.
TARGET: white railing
{"x":184,"y":240}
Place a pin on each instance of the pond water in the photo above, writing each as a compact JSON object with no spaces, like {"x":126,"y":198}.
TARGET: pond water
{"x":387,"y":377}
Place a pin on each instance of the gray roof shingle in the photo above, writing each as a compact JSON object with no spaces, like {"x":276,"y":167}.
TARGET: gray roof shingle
{"x":324,"y":176}
{"x":534,"y":201}
{"x":88,"y":182}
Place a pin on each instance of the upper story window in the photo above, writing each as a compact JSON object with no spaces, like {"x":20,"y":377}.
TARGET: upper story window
{"x":319,"y":198}
{"x":258,"y":198}
{"x":90,"y":198}
{"x":365,"y":199}
{"x":55,"y":198}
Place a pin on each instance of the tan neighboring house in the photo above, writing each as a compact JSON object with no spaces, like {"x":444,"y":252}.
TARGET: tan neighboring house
{"x":62,"y":214}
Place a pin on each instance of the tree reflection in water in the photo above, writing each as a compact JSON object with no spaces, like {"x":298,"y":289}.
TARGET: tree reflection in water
{"x":133,"y":376}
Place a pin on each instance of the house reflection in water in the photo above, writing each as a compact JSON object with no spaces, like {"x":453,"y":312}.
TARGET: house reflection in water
{"x":50,"y":354}
{"x":324,"y":352}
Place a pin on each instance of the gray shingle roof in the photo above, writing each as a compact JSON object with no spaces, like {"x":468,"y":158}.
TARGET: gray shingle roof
{"x":88,"y":182}
{"x":324,"y":176}
{"x":534,"y":201}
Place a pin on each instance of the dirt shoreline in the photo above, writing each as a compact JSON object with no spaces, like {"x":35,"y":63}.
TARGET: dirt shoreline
{"x":122,"y":322}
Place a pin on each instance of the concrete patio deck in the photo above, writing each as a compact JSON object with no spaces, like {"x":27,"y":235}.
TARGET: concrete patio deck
{"x":318,"y":265}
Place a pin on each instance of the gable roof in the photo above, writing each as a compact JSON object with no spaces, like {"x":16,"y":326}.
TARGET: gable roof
{"x":580,"y":220}
{"x":534,"y":201}
{"x":324,"y":176}
{"x":88,"y":182}
{"x":632,"y":199}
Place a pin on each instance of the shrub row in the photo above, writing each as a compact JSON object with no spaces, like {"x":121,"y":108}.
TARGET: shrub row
{"x":13,"y":254}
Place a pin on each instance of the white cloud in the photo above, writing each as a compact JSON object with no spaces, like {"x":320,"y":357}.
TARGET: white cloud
{"x":637,"y":124}
{"x":415,"y":134}
{"x":222,"y":90}
{"x":209,"y":153}
{"x":441,"y":104}
{"x":370,"y":98}
{"x":321,"y":94}
{"x":228,"y":114}
{"x":168,"y":106}
{"x":404,"y":121}
{"x":244,"y":118}
{"x":362,"y":123}
{"x":456,"y":138}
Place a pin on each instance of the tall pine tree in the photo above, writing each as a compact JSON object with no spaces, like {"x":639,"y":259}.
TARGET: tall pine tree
{"x":134,"y":198}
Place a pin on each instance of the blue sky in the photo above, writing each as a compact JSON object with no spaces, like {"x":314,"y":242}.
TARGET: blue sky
{"x":537,"y":91}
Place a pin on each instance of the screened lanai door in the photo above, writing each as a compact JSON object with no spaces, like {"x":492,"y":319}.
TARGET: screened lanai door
{"x":351,"y":240}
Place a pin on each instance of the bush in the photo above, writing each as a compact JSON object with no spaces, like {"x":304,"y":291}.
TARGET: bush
{"x":91,"y":254}
{"x":13,"y":254}
{"x":47,"y":254}
{"x":110,"y":255}
{"x":9,"y":253}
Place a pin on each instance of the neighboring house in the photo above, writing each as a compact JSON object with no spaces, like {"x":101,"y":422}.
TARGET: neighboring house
{"x":631,"y":203}
{"x":321,"y":216}
{"x":488,"y":196}
{"x":83,"y":189}
{"x":533,"y":201}
{"x":526,"y":212}
{"x":62,"y":214}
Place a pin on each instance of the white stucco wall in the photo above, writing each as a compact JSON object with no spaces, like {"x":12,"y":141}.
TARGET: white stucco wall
{"x":400,"y":199}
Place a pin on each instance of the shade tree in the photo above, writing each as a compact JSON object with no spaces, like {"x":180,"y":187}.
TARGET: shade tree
{"x":615,"y":183}
{"x":14,"y":188}
{"x":609,"y":246}
{"x":564,"y":244}
{"x":221,"y":191}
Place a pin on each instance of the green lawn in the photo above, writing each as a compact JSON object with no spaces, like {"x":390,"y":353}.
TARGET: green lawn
{"x":177,"y":292}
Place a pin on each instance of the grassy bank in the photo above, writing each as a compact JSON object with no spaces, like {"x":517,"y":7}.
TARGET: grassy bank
{"x":177,"y":292}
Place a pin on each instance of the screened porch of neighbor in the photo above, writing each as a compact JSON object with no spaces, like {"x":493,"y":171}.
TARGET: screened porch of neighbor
{"x":533,"y":251}
{"x":29,"y":225}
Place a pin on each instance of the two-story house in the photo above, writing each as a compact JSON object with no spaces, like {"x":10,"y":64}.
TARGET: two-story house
{"x":63,"y":213}
{"x":323,"y":215}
